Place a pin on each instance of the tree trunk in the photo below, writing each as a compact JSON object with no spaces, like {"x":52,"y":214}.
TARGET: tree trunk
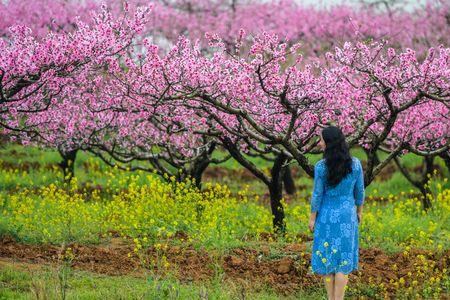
{"x":275,"y":183}
{"x":426,"y":203}
{"x":376,"y":159}
{"x":446,"y":157}
{"x":424,"y":188}
{"x":68,"y":164}
{"x":198,"y":170}
{"x":288,"y":181}
{"x":199,"y":166}
{"x":184,"y":174}
{"x":276,"y":194}
{"x":420,"y":183}
{"x":279,"y":223}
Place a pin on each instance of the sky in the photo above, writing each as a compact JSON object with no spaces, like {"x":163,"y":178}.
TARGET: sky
{"x":408,"y":4}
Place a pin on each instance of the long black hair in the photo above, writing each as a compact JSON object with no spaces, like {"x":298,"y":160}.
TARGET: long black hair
{"x":337,"y":155}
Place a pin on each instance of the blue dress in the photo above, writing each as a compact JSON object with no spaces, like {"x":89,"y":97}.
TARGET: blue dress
{"x":335,"y":244}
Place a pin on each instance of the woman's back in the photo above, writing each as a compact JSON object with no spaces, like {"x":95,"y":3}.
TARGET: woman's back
{"x":334,"y":218}
{"x":350,"y":187}
{"x":335,"y":246}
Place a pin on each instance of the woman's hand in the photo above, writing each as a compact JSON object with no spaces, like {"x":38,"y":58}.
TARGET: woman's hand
{"x":359,"y":213}
{"x":312,"y":222}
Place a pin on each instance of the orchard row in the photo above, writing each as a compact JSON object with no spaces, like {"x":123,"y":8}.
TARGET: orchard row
{"x":106,"y":88}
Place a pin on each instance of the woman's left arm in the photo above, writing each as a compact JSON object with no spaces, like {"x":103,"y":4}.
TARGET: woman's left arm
{"x":359,"y":191}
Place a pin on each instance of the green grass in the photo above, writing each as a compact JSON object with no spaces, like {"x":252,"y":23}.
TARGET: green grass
{"x":92,"y":173}
{"x":19,"y":283}
{"x":89,"y":170}
{"x":389,"y":225}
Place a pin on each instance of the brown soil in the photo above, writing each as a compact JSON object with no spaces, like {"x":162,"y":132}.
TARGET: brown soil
{"x":244,"y":175}
{"x":419,"y":169}
{"x":106,"y":260}
{"x":89,"y":166}
{"x":27,"y":166}
{"x":22,"y":266}
{"x":34,"y":165}
{"x":217,"y":172}
{"x":83,"y":188}
{"x":286,"y":273}
{"x":4,"y":139}
{"x":16,"y":153}
{"x":386,"y":173}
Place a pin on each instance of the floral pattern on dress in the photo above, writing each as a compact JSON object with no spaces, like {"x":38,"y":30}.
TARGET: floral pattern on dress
{"x":335,"y":244}
{"x":334,"y":216}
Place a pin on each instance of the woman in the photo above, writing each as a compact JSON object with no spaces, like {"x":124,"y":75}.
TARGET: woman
{"x":334,"y":220}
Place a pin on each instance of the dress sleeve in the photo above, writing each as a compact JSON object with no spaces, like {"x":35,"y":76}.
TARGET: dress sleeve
{"x":358,"y":191}
{"x":318,"y":189}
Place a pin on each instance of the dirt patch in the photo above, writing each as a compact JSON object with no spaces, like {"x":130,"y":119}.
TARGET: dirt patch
{"x":88,"y":188}
{"x":20,"y":266}
{"x":117,"y":258}
{"x":386,"y":173}
{"x":16,"y":153}
{"x":296,"y":171}
{"x":378,"y":267}
{"x":219,"y":173}
{"x":90,"y":166}
{"x":420,"y":169}
{"x":85,"y":188}
{"x":286,"y":275}
{"x":105,"y":260}
{"x":286,"y":272}
{"x":189,"y":264}
{"x":289,"y":273}
{"x":4,"y":139}
{"x":268,"y":236}
{"x":27,"y":166}
{"x":34,"y":165}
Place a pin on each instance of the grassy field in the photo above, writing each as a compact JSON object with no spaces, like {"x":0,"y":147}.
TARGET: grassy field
{"x":30,"y":167}
{"x":25,"y":281}
{"x":122,"y":235}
